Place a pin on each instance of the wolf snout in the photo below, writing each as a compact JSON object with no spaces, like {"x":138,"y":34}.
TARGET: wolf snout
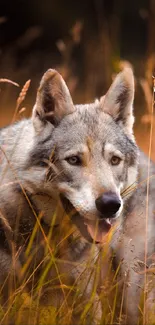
{"x":108,"y":204}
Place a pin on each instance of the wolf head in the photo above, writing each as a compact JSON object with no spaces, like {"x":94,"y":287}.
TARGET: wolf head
{"x":90,"y":148}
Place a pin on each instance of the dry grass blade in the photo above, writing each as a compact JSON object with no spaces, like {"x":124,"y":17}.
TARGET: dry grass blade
{"x":146,"y":118}
{"x":23,"y":93}
{"x":21,"y":98}
{"x":22,"y":110}
{"x":6,"y":225}
{"x":147,"y":201}
{"x":9,"y":81}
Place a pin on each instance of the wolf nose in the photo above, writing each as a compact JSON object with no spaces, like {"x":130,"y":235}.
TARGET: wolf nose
{"x":108,"y":204}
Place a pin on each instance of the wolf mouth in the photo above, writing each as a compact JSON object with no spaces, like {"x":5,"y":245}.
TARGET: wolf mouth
{"x":93,"y":231}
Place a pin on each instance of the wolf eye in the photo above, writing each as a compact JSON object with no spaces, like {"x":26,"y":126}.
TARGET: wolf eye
{"x":115,"y":160}
{"x":74,"y":160}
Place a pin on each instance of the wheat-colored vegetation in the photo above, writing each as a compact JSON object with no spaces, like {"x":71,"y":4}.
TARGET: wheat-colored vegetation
{"x":25,"y":305}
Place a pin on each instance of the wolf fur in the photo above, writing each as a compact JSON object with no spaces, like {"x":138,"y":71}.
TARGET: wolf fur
{"x":54,"y":168}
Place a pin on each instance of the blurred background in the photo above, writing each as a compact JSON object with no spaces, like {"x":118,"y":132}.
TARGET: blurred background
{"x":88,"y":41}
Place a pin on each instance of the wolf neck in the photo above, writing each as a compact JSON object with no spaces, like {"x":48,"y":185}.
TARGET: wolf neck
{"x":49,"y":206}
{"x":53,"y":215}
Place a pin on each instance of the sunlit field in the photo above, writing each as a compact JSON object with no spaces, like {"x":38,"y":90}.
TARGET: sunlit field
{"x":88,"y":45}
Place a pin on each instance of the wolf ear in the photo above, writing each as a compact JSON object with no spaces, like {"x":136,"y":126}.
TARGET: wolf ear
{"x":53,"y":100}
{"x":118,"y":102}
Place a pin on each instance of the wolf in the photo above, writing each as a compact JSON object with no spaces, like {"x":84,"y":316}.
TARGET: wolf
{"x":70,"y":175}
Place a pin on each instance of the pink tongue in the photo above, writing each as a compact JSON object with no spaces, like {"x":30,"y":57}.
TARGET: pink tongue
{"x":98,"y":232}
